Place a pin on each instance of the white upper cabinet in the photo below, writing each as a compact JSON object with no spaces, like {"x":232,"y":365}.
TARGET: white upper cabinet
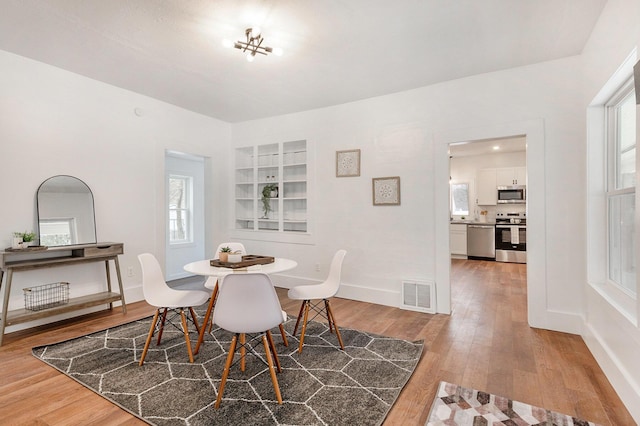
{"x":511,"y":176}
{"x":487,"y":193}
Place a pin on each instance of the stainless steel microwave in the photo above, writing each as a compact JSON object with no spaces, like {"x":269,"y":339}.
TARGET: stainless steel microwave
{"x":512,"y":194}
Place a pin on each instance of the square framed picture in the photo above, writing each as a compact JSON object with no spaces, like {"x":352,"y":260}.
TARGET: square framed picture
{"x":348,"y":163}
{"x":386,"y":191}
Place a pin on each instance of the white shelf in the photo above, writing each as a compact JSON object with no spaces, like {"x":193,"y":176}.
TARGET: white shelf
{"x":281,"y":164}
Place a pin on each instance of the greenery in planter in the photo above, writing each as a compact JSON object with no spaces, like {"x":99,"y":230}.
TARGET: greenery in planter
{"x":225,"y":250}
{"x":266,"y":197}
{"x":27,"y":236}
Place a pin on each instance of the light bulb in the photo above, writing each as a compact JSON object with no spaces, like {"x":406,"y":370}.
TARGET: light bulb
{"x":250,"y":57}
{"x":277,"y":51}
{"x":227,"y":43}
{"x":255,"y":31}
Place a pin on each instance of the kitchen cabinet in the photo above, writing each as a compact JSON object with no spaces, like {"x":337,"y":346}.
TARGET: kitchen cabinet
{"x":511,"y":176}
{"x":282,"y":167}
{"x":486,"y":192}
{"x":458,"y":240}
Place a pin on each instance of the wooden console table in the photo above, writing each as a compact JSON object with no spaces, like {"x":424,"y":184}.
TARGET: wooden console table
{"x":24,"y":260}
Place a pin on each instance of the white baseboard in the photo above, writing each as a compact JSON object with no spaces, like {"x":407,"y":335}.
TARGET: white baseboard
{"x":627,"y":389}
{"x":347,"y":291}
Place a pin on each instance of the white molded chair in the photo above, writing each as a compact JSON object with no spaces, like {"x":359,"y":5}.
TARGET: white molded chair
{"x":323,"y":291}
{"x":157,"y":293}
{"x":248,"y":304}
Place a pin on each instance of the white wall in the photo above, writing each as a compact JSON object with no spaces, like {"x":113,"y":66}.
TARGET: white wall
{"x":55,"y":122}
{"x":406,"y":134}
{"x":612,"y":338}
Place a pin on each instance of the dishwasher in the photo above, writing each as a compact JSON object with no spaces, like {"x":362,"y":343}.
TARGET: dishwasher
{"x":481,"y":243}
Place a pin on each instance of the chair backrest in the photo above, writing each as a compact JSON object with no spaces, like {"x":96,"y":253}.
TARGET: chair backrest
{"x":247,"y":303}
{"x":235,"y":247}
{"x":154,"y":287}
{"x":332,"y":283}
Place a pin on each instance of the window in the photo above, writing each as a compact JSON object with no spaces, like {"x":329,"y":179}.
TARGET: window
{"x":57,"y":232}
{"x":460,"y":199}
{"x":621,"y":194}
{"x":180,"y":209}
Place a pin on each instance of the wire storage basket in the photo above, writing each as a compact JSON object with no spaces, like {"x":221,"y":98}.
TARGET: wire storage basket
{"x":46,"y":296}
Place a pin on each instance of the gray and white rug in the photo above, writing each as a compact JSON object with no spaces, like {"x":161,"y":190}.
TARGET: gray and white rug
{"x":323,"y":385}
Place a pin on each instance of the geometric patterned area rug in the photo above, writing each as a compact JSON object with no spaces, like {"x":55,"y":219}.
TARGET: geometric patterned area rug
{"x":458,"y":406}
{"x":323,"y":385}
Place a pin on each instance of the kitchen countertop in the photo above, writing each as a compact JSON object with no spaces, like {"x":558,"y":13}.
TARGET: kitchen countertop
{"x":472,"y":222}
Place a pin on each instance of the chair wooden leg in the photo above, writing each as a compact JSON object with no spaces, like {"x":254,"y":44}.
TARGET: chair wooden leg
{"x":227,"y":367}
{"x":195,"y":320}
{"x":304,"y":324}
{"x":214,"y":297}
{"x":272,"y":371}
{"x":332,"y":319}
{"x":295,"y":329}
{"x":207,"y":318}
{"x":149,"y":337}
{"x":273,"y":350}
{"x":185,"y":330}
{"x":164,"y":317}
{"x":284,"y":335}
{"x":243,"y":351}
{"x":326,"y":310}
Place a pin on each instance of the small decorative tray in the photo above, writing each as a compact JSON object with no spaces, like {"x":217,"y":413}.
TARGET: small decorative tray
{"x":30,"y":248}
{"x":247,"y":260}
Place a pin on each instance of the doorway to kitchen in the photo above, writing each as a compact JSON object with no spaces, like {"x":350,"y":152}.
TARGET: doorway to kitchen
{"x":536,"y":269}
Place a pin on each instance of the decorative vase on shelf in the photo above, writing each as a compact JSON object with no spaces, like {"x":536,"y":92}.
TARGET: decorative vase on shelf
{"x":17,"y":243}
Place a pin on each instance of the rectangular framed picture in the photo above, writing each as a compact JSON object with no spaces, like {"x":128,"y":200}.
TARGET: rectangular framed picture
{"x":348,"y":163}
{"x":386,"y":191}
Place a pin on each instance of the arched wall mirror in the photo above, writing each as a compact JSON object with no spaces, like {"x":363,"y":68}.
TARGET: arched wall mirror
{"x":65,"y":212}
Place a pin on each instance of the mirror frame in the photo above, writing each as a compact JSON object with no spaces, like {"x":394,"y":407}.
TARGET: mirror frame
{"x":93,"y":210}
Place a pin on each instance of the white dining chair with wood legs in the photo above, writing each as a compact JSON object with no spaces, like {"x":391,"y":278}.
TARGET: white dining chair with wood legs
{"x":316,"y":298}
{"x":157,"y":293}
{"x":249,"y":306}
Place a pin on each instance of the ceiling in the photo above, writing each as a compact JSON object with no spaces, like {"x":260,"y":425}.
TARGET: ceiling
{"x":335,"y":51}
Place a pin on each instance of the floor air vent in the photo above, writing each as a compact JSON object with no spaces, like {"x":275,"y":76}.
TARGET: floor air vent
{"x":419,"y":296}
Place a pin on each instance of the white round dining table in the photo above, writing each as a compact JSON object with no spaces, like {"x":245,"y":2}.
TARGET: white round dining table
{"x":204,"y":268}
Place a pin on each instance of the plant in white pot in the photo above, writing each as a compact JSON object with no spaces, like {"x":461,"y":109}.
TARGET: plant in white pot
{"x":223,"y":256}
{"x":268,"y":192}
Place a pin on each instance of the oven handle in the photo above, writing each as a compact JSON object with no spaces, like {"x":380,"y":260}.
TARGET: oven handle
{"x":519,"y":225}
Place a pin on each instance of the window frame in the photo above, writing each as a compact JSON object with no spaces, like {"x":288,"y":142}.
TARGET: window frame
{"x":451,"y":198}
{"x":188,"y":210}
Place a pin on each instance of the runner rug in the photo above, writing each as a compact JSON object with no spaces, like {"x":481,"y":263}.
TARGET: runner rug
{"x":323,"y":385}
{"x":458,"y":406}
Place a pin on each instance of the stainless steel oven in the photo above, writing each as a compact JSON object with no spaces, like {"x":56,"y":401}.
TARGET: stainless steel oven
{"x":511,"y":238}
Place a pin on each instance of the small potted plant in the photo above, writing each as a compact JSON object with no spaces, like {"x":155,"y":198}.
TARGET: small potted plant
{"x":28,"y":238}
{"x":268,"y":192}
{"x":223,"y":256}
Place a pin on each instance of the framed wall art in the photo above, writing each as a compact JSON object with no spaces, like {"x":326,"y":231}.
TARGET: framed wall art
{"x":386,"y":191}
{"x":348,"y":163}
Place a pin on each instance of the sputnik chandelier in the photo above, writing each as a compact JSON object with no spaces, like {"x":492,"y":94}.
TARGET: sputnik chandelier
{"x":254,"y":45}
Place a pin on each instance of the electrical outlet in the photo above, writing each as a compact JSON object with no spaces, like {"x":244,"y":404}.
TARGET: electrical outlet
{"x":317,"y":267}
{"x":130,"y":271}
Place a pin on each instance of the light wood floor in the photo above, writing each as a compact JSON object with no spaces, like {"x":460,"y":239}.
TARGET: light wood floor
{"x":485,"y":344}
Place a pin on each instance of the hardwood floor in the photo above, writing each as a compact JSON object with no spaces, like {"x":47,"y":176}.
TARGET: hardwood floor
{"x":484,"y":344}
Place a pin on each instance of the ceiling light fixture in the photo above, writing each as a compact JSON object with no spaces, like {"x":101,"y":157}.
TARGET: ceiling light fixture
{"x":253,"y":45}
